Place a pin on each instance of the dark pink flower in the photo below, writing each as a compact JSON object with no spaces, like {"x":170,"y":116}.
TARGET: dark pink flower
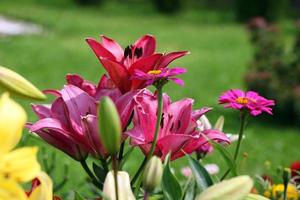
{"x":178,"y":132}
{"x":251,"y":101}
{"x":70,"y":123}
{"x":121,"y":64}
{"x":160,"y":74}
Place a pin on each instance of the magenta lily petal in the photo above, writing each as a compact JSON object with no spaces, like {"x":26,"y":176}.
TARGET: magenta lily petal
{"x":74,"y":116}
{"x":78,"y":81}
{"x":198,"y":113}
{"x":99,"y":50}
{"x":147,"y":43}
{"x":52,"y":131}
{"x":42,"y":111}
{"x":78,"y":104}
{"x":169,"y":57}
{"x":92,"y":133}
{"x":173,"y":143}
{"x":178,"y":131}
{"x":113,"y":47}
{"x":55,"y":93}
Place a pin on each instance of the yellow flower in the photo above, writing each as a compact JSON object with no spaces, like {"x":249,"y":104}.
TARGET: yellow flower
{"x":19,"y":165}
{"x":11,"y":190}
{"x":44,"y":189}
{"x":12,"y":120}
{"x":292,"y":193}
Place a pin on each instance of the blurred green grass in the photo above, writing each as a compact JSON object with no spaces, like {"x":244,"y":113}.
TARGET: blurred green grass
{"x":219,"y":55}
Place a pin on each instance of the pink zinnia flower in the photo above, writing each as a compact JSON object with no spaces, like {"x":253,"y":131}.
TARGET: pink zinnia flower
{"x":251,"y":101}
{"x":70,"y":123}
{"x":178,"y":132}
{"x":121,"y":64}
{"x":162,"y":74}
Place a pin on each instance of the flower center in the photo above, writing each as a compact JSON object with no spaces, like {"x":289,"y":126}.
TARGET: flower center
{"x":154,"y":72}
{"x":242,"y":100}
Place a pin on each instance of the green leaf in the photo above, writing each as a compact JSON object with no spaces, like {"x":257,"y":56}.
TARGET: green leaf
{"x":201,"y":175}
{"x":226,"y":155}
{"x":189,"y":191}
{"x":170,"y":186}
{"x":77,"y":196}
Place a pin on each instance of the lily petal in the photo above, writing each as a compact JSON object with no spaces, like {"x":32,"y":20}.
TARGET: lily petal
{"x":118,"y":74}
{"x":99,"y":50}
{"x":113,"y":47}
{"x":168,"y":58}
{"x":148,"y":44}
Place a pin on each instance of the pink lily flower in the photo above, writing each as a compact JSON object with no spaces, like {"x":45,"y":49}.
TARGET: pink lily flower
{"x":162,"y":74}
{"x":251,"y":101}
{"x":178,"y":132}
{"x":121,"y":64}
{"x":70,"y":123}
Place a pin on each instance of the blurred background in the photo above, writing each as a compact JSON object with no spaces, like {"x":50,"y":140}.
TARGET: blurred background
{"x":230,"y":48}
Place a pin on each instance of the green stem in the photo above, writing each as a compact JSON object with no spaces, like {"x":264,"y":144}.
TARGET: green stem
{"x":90,"y":174}
{"x":157,"y":126}
{"x":137,"y":174}
{"x":115,"y":168}
{"x":241,"y":133}
{"x":158,"y":119}
{"x":121,"y":151}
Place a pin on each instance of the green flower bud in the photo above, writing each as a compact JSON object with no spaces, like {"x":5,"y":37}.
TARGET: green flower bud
{"x":233,"y":189}
{"x":124,"y":189}
{"x":17,"y":85}
{"x":153,"y":174}
{"x":220,"y":123}
{"x":109,"y":125}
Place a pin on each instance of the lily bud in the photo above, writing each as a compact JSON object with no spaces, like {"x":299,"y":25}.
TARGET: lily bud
{"x":205,"y":122}
{"x":124,"y":189}
{"x":220,"y":123}
{"x":255,"y":197}
{"x":109,"y":125}
{"x":233,"y":189}
{"x":18,"y":85}
{"x":152,"y":174}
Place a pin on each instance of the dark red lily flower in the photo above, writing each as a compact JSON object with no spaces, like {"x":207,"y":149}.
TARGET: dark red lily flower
{"x":121,"y":64}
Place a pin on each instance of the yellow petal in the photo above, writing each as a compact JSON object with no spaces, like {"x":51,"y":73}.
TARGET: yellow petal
{"x":44,"y":190}
{"x":12,"y":120}
{"x":18,"y":85}
{"x":20,"y":165}
{"x":10,"y":190}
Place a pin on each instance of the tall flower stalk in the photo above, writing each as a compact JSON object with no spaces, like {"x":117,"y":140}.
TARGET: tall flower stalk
{"x":159,"y":90}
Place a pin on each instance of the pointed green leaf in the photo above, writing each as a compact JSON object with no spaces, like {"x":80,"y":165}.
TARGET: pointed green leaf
{"x":77,"y":196}
{"x":201,"y":175}
{"x":227,"y":157}
{"x":170,"y":186}
{"x":189,"y":191}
